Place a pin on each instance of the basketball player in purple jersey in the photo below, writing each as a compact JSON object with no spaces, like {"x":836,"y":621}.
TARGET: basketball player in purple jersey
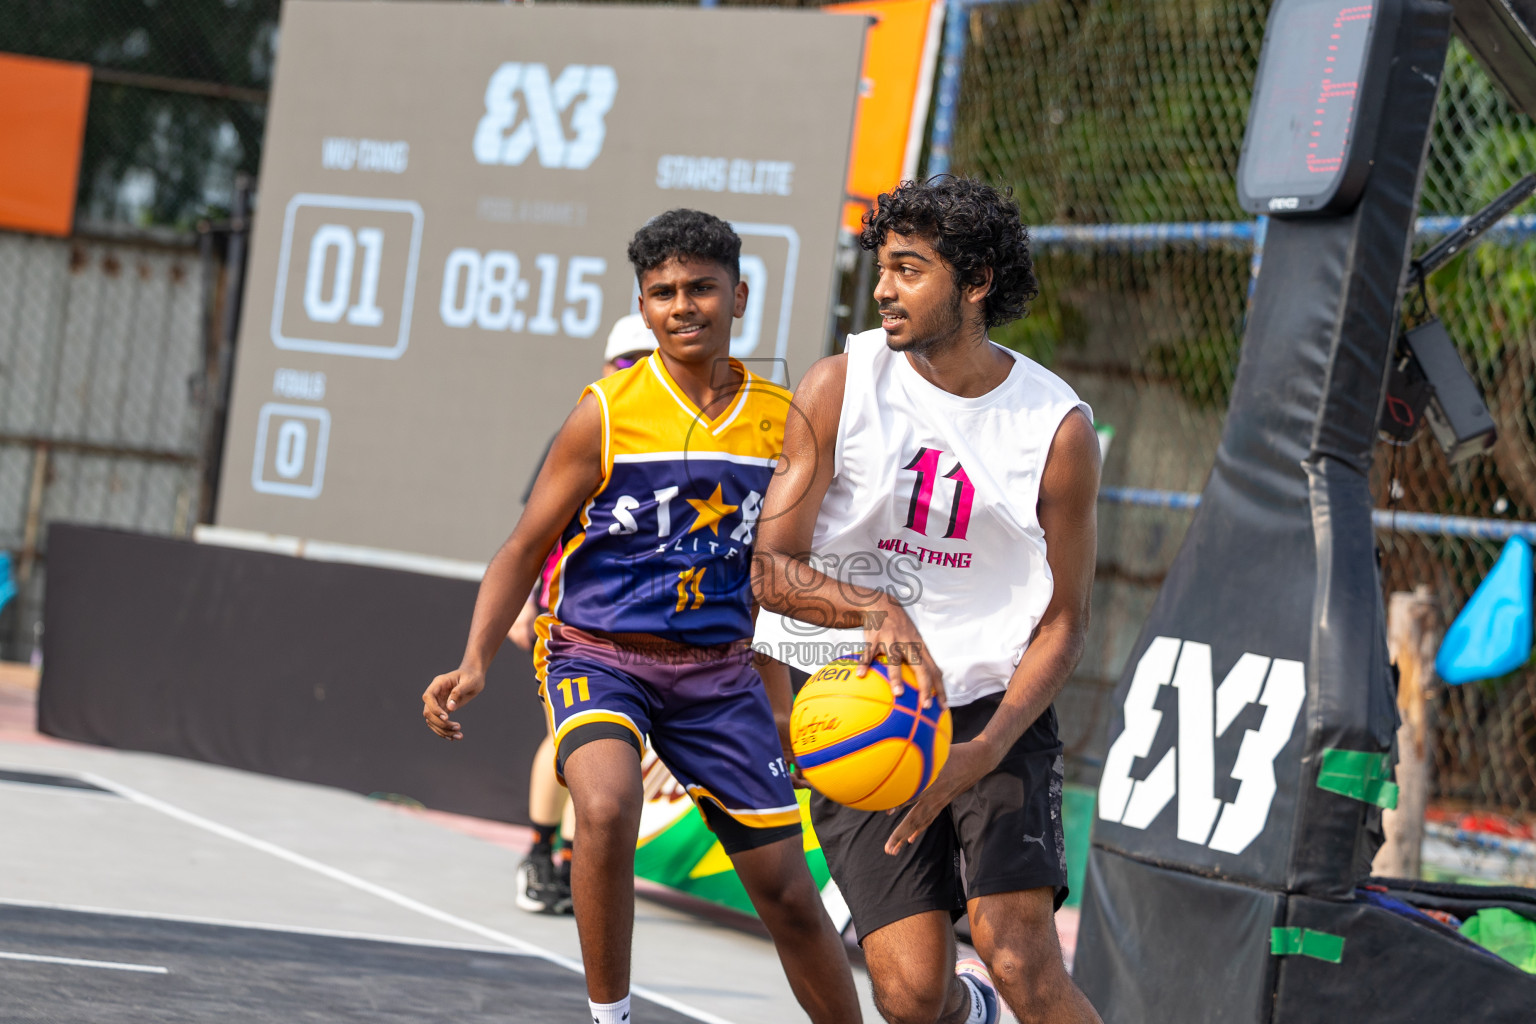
{"x":937,"y":494}
{"x":651,"y":491}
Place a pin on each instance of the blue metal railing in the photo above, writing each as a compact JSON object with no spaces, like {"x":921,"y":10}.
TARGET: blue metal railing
{"x":1383,"y":519}
{"x":1243,"y":232}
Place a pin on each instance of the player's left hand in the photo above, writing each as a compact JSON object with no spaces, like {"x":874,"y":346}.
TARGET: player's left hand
{"x":968,"y":763}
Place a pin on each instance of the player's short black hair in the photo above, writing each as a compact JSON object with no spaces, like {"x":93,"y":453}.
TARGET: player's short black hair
{"x":972,"y":226}
{"x":689,"y":234}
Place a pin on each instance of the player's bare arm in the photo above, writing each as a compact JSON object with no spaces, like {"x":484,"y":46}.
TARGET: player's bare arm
{"x":784,"y":580}
{"x":1069,"y":489}
{"x":571,"y":473}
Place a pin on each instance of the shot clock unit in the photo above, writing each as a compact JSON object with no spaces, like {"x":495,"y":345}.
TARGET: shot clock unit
{"x":1316,"y":103}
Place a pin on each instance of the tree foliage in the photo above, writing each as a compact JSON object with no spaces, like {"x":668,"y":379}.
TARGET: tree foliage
{"x":150,"y":155}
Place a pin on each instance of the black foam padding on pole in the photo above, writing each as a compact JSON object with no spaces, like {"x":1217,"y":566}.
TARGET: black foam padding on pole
{"x":1396,"y":969}
{"x":1171,"y":946}
{"x":295,"y":668}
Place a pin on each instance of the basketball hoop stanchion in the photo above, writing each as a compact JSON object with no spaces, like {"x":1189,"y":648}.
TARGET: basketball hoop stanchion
{"x":1250,"y":751}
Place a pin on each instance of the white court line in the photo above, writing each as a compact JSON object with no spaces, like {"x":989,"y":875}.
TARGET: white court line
{"x":68,"y":961}
{"x":282,"y":929}
{"x":362,"y":884}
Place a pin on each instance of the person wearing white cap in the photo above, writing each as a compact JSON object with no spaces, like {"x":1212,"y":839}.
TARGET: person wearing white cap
{"x":543,"y":886}
{"x":629,"y":342}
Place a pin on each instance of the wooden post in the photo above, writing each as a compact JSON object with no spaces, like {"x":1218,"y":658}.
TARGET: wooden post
{"x":1413,"y":637}
{"x":32,"y":532}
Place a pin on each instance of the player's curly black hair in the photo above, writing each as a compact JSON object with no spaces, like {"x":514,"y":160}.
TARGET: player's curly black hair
{"x":689,"y":234}
{"x":972,"y":226}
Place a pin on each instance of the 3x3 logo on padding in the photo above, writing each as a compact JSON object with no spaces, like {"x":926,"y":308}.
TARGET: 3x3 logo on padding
{"x":1188,"y":769}
{"x":525,"y":112}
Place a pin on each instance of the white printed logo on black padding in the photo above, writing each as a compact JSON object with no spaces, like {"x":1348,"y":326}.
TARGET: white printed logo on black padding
{"x":1188,"y":769}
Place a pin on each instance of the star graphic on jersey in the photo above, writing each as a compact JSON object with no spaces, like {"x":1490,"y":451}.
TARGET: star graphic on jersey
{"x":711,"y":510}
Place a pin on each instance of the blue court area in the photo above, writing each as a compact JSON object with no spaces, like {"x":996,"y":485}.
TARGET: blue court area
{"x":135,"y":887}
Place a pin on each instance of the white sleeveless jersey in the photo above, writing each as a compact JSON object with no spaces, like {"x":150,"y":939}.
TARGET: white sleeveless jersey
{"x":933,"y":499}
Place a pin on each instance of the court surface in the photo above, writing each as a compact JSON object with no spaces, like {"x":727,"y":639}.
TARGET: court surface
{"x":135,"y":887}
{"x":113,"y":968}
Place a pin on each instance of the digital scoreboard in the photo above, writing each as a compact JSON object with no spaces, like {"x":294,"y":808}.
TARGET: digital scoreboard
{"x":446,"y":196}
{"x":1316,"y":103}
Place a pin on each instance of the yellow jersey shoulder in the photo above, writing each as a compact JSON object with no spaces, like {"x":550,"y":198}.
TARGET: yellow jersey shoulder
{"x":645,"y":411}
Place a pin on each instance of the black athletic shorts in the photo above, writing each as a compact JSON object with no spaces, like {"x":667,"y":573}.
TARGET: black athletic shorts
{"x":1003,"y":835}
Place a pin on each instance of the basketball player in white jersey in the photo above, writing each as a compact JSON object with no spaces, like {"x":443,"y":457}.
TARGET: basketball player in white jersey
{"x":936,"y":493}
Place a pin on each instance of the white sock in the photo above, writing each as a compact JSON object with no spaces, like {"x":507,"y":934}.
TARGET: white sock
{"x":978,"y":1005}
{"x":610,"y":1013}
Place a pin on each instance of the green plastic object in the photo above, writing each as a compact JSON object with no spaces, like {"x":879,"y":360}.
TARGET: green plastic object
{"x":1078,"y":804}
{"x":1505,"y":933}
{"x":1359,"y":775}
{"x":1306,"y":942}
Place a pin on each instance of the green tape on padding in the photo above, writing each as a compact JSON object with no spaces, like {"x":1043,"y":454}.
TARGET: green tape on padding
{"x":1306,"y":942}
{"x":1359,"y":775}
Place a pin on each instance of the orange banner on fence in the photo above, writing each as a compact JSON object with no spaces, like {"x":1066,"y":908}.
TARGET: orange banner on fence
{"x":42,"y":126}
{"x":896,"y":82}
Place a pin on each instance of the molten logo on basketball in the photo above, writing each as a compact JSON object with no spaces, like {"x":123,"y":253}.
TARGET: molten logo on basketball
{"x":510,"y":130}
{"x":1188,"y":769}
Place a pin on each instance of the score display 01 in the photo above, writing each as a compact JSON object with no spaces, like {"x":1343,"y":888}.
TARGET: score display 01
{"x":1316,"y":104}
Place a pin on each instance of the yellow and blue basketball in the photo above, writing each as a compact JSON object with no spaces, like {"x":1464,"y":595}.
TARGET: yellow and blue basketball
{"x":862,"y":746}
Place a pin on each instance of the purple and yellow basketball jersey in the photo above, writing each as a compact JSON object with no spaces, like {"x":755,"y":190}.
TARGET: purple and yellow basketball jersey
{"x":664,"y":544}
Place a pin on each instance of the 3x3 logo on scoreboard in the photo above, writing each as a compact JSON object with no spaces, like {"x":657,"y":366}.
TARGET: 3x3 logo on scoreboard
{"x":525,"y":113}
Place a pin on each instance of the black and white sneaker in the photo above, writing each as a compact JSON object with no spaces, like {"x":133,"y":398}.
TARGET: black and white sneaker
{"x":535,"y":882}
{"x":540,"y":887}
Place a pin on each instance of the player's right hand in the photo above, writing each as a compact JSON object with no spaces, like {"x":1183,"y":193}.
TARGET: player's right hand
{"x":889,"y":630}
{"x":449,"y":692}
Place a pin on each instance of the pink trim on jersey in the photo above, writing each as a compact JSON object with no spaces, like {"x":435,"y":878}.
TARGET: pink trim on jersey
{"x":960,"y":513}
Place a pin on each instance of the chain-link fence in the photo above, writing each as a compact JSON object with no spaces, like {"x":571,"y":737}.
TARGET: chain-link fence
{"x":102,"y":356}
{"x":1131,"y":113}
{"x":1487,"y":751}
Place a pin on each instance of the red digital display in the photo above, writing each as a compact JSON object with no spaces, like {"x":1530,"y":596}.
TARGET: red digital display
{"x":1306,"y":103}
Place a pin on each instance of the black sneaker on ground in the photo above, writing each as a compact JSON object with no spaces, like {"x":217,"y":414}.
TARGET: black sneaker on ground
{"x":540,"y":890}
